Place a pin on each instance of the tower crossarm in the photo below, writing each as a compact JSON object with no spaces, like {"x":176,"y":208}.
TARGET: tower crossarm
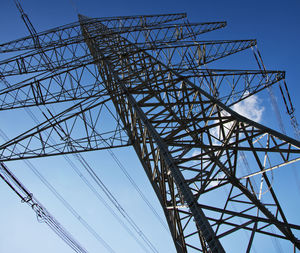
{"x":67,"y":127}
{"x":34,"y":62}
{"x":134,"y":28}
{"x":83,"y":80}
{"x":232,"y":86}
{"x":188,"y":54}
{"x":77,"y":83}
{"x":71,"y":32}
{"x":177,"y":53}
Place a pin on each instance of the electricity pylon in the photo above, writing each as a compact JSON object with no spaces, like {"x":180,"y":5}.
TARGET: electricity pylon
{"x":149,"y":74}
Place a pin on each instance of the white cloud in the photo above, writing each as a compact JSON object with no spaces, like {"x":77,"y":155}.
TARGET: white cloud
{"x":250,"y":108}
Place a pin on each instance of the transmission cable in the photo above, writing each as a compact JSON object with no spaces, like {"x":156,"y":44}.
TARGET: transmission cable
{"x":53,"y":190}
{"x":275,"y":107}
{"x":42,"y":214}
{"x":126,"y":173}
{"x":105,"y":190}
{"x":33,"y":33}
{"x":81,"y":159}
{"x":115,"y":202}
{"x":89,"y":185}
{"x":63,"y":200}
{"x":29,"y":112}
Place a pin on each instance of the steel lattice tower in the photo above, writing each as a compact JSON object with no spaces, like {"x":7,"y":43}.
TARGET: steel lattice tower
{"x":150,"y":71}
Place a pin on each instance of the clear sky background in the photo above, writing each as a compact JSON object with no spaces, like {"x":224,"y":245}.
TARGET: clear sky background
{"x":275,"y":25}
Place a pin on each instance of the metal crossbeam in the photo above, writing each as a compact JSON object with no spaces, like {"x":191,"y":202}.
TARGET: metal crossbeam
{"x":150,"y":31}
{"x":69,"y":33}
{"x":67,"y":126}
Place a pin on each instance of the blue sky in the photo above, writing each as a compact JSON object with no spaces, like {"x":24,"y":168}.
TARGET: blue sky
{"x":274,"y":24}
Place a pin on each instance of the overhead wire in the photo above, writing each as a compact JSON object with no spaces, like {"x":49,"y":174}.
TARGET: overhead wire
{"x":89,"y":185}
{"x":33,"y":33}
{"x":242,"y":154}
{"x":65,"y":203}
{"x":106,"y":191}
{"x":42,"y":214}
{"x":74,"y":6}
{"x":290,"y":109}
{"x":115,"y":202}
{"x":104,"y":188}
{"x":275,"y":107}
{"x":131,"y":180}
{"x":47,"y":61}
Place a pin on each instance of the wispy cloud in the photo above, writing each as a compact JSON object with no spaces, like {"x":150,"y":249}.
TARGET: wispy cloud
{"x":250,"y":108}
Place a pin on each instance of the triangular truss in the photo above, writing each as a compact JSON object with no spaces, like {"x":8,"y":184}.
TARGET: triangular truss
{"x":149,"y":75}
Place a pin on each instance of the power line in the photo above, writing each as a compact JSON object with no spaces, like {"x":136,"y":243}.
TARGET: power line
{"x":115,"y":202}
{"x":64,"y":202}
{"x":110,"y":196}
{"x":50,"y":66}
{"x":83,"y":178}
{"x":131,"y":180}
{"x":42,"y":214}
